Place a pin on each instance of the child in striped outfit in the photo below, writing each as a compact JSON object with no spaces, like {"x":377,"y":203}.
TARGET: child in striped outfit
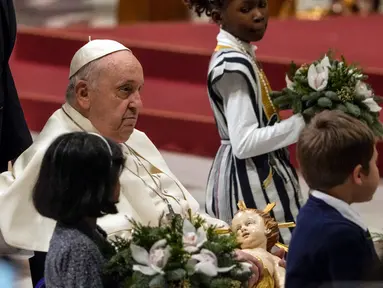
{"x":252,"y":163}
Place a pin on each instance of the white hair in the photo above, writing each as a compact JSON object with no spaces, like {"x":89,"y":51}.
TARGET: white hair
{"x":89,"y":73}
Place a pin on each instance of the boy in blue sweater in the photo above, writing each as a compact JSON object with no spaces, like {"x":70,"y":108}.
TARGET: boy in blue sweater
{"x":331,"y":246}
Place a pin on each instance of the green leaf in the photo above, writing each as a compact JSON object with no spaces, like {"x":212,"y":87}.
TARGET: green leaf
{"x":341,"y":107}
{"x":311,"y":102}
{"x":176,"y":275}
{"x":140,"y":280}
{"x":352,"y":109}
{"x":359,"y":98}
{"x":312,"y":96}
{"x":157,"y":282}
{"x":276,"y":94}
{"x":282,"y":100}
{"x":297,"y":106}
{"x":332,"y":95}
{"x":344,"y":60}
{"x":291,"y":94}
{"x":292,"y":70}
{"x":240,"y":274}
{"x":224,"y":282}
{"x":310,"y":112}
{"x":367,"y":117}
{"x":324,"y":102}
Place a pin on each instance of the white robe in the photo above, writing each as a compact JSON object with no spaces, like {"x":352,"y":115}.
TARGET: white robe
{"x":24,"y":228}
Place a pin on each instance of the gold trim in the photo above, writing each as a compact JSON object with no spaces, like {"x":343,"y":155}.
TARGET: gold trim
{"x":282,"y":246}
{"x":223,"y":231}
{"x":241,"y":205}
{"x":286,"y":225}
{"x":269,"y":207}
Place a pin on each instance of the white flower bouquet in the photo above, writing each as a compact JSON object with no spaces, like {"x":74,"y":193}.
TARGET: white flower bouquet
{"x":182,"y":253}
{"x":330,"y":84}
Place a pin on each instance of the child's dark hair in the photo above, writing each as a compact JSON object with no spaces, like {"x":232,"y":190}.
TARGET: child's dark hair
{"x":78,"y":178}
{"x":205,"y":6}
{"x":331,"y":146}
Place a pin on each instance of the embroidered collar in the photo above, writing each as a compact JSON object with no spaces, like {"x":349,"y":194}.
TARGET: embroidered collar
{"x":342,"y":207}
{"x":224,"y":38}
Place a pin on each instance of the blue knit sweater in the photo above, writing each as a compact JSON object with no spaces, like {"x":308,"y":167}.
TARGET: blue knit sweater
{"x":76,"y":257}
{"x":328,"y":250}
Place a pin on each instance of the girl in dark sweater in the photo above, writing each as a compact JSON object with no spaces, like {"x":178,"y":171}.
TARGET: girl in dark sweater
{"x":78,"y":182}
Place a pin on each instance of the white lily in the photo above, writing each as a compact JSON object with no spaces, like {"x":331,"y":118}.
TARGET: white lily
{"x":317,"y":75}
{"x":193,"y":239}
{"x":372,"y":105}
{"x":289,"y":83}
{"x":325,"y":62}
{"x":206,"y":263}
{"x":151,"y":263}
{"x":362,"y":89}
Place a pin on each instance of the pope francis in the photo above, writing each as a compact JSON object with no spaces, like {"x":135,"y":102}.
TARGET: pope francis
{"x":103,"y":96}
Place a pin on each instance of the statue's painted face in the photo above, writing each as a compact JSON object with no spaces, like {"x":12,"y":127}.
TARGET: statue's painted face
{"x":250,"y":229}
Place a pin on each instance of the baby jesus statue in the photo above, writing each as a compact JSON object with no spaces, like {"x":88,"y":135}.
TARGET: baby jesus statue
{"x":258,"y":233}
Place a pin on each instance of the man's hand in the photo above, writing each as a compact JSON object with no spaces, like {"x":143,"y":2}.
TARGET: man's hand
{"x":256,"y":266}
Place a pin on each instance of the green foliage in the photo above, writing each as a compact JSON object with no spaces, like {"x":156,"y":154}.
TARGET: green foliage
{"x":177,"y":271}
{"x":340,"y":93}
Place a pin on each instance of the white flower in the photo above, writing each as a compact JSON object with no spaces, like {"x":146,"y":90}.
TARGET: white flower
{"x":362,"y":89}
{"x":153,"y":262}
{"x":193,"y":239}
{"x":317,"y":75}
{"x":206,"y":263}
{"x":325,"y":62}
{"x":289,"y":83}
{"x":374,"y":107}
{"x":245,"y":266}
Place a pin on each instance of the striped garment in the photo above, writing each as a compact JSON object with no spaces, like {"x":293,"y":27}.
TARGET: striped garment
{"x":258,"y":180}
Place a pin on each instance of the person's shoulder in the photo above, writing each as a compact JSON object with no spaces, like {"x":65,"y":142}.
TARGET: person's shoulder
{"x":139,"y":137}
{"x":68,"y":237}
{"x":344,"y":231}
{"x":320,"y":225}
{"x":228,"y":54}
{"x":52,"y":129}
{"x":338,"y":235}
{"x":68,"y":243}
{"x":229,"y":60}
{"x":138,"y":133}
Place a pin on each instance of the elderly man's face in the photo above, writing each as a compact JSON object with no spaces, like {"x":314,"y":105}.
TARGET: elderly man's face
{"x":114,"y":101}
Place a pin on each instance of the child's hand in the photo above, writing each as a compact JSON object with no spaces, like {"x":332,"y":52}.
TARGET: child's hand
{"x":256,"y":266}
{"x":280,"y":253}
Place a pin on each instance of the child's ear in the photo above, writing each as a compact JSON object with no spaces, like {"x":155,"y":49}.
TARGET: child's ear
{"x":357,"y":175}
{"x":216,"y":16}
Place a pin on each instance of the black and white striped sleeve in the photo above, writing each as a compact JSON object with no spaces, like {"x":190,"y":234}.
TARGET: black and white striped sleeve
{"x":236,"y":85}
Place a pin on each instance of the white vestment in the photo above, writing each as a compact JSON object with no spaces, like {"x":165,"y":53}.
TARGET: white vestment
{"x":24,"y":228}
